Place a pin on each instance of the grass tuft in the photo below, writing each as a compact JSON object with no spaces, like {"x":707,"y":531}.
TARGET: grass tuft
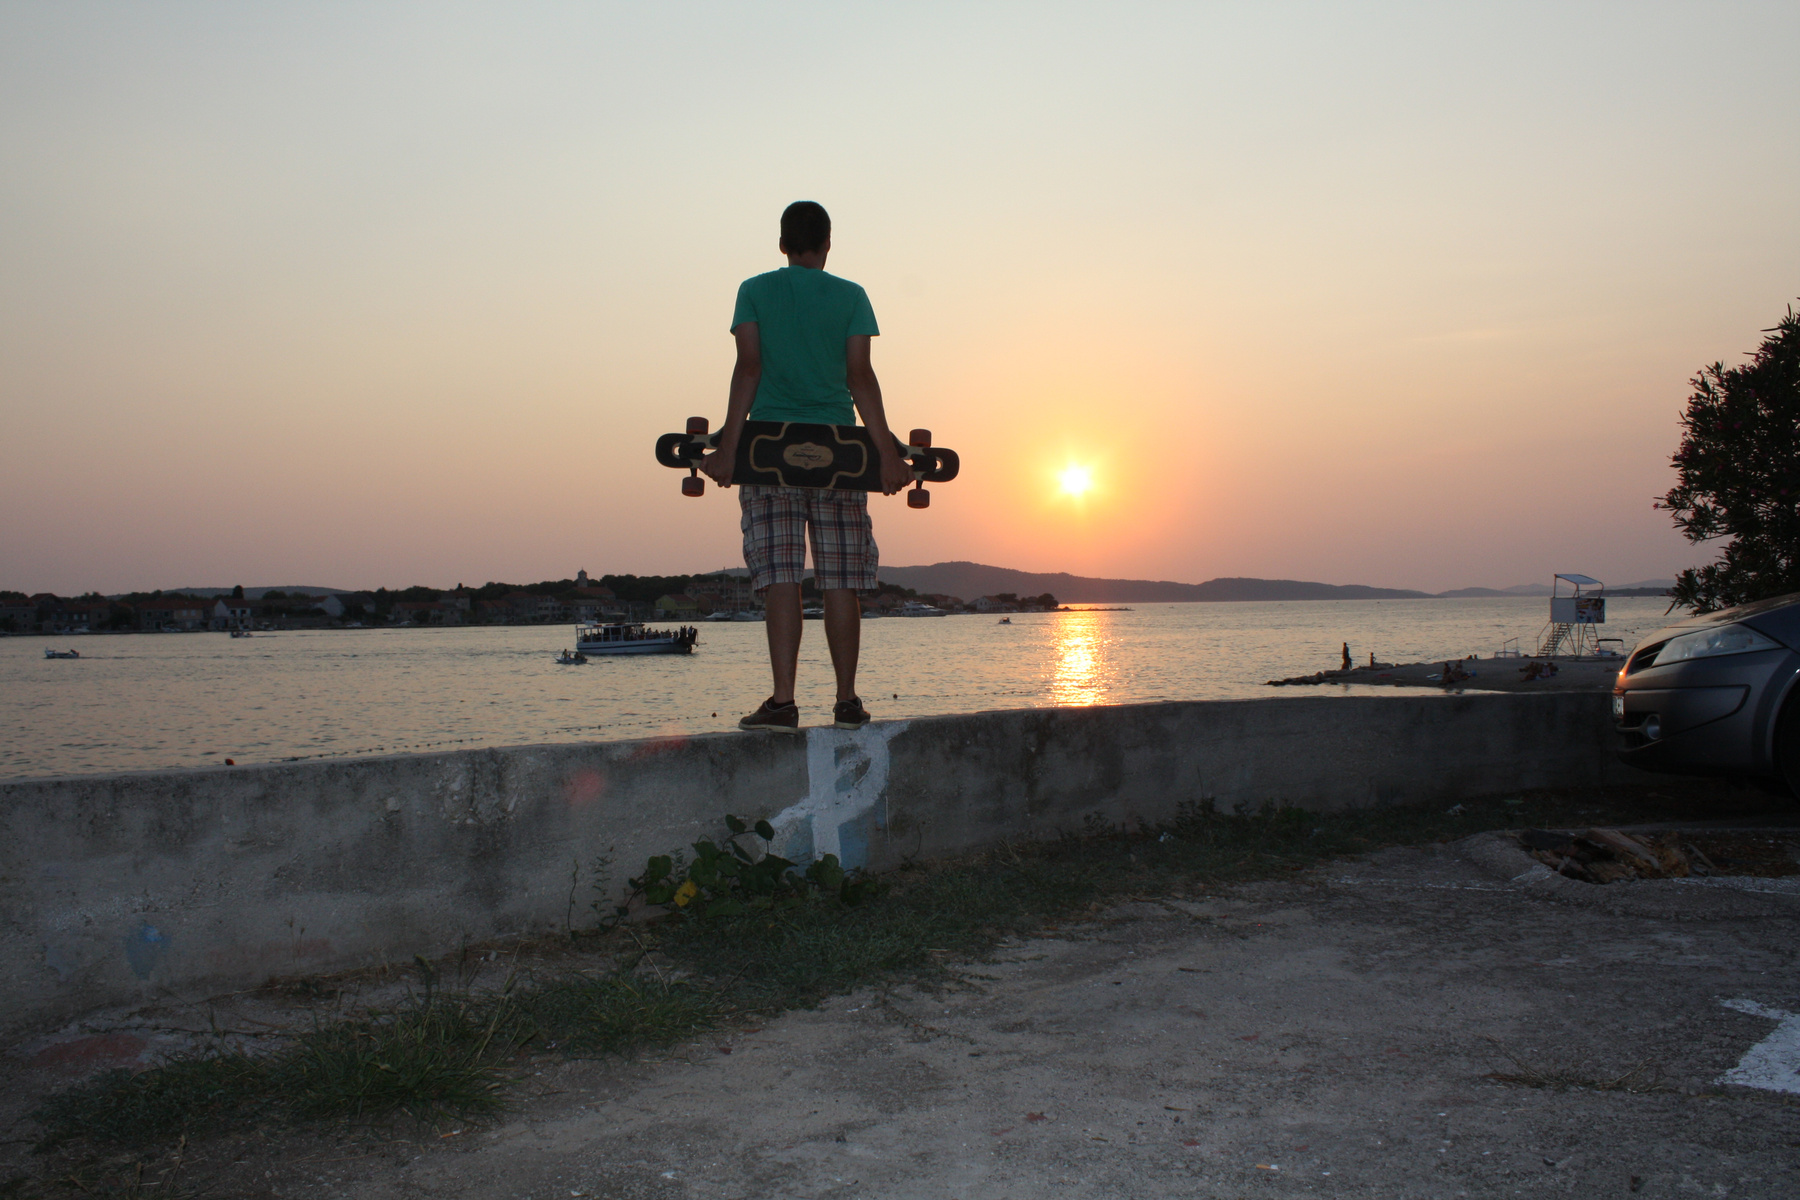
{"x":215,"y":1091}
{"x":434,"y":1061}
{"x":617,"y":1013}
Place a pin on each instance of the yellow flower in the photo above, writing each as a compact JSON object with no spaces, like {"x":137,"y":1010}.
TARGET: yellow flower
{"x":686,"y":892}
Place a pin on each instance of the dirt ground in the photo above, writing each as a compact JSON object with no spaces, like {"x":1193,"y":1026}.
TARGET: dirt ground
{"x":1417,"y":1024}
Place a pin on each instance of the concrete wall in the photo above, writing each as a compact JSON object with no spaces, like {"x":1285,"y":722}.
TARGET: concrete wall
{"x":119,"y":889}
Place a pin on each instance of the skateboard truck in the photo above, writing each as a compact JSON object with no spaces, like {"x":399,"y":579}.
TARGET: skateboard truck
{"x":919,"y":497}
{"x":693,"y":485}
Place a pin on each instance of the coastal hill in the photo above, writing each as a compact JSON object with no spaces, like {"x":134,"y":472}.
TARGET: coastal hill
{"x":968,"y":579}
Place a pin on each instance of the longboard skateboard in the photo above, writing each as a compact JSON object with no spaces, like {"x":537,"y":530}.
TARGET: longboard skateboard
{"x":797,"y":454}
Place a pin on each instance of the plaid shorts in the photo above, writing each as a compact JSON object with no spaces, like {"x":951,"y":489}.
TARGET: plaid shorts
{"x":777,"y":521}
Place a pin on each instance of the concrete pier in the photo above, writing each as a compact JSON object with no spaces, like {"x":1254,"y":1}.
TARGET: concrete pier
{"x":120,"y":889}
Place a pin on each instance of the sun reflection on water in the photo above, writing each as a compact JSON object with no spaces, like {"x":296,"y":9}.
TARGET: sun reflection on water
{"x":1079,"y":677}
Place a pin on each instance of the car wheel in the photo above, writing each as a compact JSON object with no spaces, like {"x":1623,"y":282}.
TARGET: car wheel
{"x":1787,"y":744}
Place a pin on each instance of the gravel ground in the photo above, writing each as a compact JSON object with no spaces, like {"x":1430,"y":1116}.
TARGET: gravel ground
{"x":1418,"y":1024}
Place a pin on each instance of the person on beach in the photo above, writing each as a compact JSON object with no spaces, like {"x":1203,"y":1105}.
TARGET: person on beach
{"x":803,"y":339}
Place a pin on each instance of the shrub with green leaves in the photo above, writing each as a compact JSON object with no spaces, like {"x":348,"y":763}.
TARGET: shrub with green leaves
{"x":732,"y":879}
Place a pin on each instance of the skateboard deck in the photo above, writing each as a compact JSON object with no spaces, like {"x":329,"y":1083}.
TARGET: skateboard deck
{"x":797,"y":454}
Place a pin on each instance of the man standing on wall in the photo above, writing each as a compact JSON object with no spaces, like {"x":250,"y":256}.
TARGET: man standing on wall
{"x":803,"y":340}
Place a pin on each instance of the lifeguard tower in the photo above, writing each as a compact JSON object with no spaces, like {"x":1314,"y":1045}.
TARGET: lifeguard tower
{"x":1570,"y":630}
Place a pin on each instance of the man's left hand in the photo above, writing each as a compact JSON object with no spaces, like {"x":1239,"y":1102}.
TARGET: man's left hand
{"x":718,"y":466}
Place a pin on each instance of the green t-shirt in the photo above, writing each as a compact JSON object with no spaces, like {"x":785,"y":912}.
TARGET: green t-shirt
{"x":803,"y":317}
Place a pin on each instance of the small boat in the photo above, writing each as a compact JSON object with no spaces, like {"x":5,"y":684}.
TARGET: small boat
{"x":237,"y":633}
{"x":570,"y":658}
{"x":721,"y":615}
{"x":1006,"y":620}
{"x":813,"y":612}
{"x":631,"y":637}
{"x":912,"y":608}
{"x":746,"y":615}
{"x":62,"y":653}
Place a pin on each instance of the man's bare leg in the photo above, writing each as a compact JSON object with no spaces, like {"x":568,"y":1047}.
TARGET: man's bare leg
{"x":783,"y":622}
{"x":843,"y":634}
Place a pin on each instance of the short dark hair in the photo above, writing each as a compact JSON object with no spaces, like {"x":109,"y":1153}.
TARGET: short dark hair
{"x":805,"y":227}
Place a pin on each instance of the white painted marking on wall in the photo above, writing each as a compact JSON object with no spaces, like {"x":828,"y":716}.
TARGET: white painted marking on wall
{"x":846,"y":779}
{"x":1773,"y":1064}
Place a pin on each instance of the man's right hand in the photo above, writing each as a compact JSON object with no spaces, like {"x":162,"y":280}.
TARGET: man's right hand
{"x":895,"y":472}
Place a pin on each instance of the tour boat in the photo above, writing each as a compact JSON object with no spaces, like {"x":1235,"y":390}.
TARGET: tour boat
{"x":912,"y":608}
{"x":629,"y":637}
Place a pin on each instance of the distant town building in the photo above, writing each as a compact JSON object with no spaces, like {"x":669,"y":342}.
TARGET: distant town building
{"x":169,"y":613}
{"x":528,"y":608}
{"x":593,"y":604}
{"x":426,"y":612}
{"x":354,"y":605}
{"x":18,"y":617}
{"x":81,"y":616}
{"x":230,"y":613}
{"x":678,"y":605}
{"x":733,"y":591}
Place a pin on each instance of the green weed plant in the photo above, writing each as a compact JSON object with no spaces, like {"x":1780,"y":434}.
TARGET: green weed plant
{"x":734,"y":880}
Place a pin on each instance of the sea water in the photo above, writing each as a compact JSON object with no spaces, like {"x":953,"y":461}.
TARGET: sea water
{"x":139,"y":701}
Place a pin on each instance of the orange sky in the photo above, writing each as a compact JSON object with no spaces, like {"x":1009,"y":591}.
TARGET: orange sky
{"x":393,"y":294}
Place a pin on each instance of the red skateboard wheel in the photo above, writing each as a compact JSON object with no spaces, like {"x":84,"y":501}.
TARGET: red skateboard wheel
{"x":918,"y":498}
{"x":697,"y":426}
{"x":920,"y":438}
{"x":693,"y":485}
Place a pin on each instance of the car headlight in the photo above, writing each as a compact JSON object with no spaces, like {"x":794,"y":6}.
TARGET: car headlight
{"x":1710,"y":643}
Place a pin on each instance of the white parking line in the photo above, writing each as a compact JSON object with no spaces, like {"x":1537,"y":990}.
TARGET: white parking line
{"x":1773,"y":1064}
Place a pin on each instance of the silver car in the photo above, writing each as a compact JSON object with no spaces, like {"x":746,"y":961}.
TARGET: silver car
{"x":1715,"y":695}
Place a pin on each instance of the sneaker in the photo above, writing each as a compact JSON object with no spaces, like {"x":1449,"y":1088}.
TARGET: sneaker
{"x":781,"y":718}
{"x":849,"y":714}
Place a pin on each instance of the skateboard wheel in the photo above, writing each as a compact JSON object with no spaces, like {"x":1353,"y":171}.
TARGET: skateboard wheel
{"x":918,"y":498}
{"x":693,"y":485}
{"x":920,"y":438}
{"x":697,"y":426}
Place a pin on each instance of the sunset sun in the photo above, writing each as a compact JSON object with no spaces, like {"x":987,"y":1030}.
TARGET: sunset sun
{"x":1076,"y":480}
